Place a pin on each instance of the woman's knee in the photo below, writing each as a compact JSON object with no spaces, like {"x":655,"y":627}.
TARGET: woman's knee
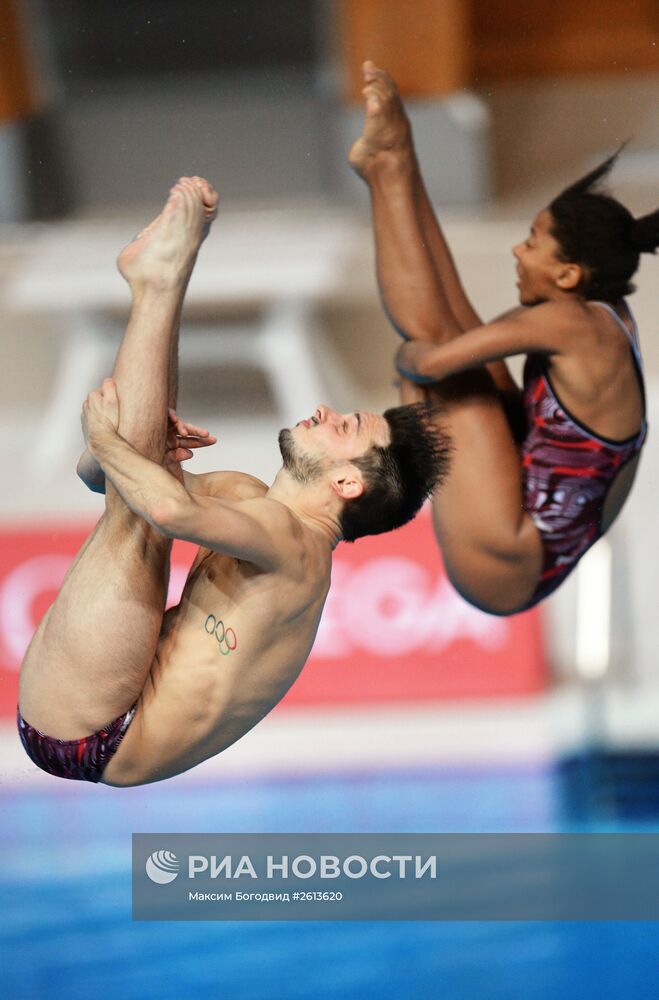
{"x":469,"y":385}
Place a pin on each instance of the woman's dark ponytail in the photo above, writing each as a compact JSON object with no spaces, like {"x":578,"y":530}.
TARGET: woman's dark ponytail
{"x":599,"y":233}
{"x":645,"y":233}
{"x":587,"y":184}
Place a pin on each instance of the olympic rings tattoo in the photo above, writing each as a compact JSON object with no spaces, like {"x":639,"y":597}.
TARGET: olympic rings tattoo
{"x":226,"y":641}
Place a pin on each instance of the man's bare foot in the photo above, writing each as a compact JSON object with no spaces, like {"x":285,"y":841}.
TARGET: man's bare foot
{"x":386,"y":126}
{"x":163,"y":254}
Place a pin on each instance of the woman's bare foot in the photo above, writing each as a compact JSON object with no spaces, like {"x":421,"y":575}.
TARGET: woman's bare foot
{"x":163,"y":254}
{"x":386,"y":126}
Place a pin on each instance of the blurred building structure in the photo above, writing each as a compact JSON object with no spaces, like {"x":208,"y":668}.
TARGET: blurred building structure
{"x":143,"y":91}
{"x":18,"y":103}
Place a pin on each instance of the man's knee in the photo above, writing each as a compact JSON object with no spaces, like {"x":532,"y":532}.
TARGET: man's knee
{"x":123,"y":529}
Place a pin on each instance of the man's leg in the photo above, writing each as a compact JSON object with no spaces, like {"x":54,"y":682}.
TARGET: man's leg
{"x":94,"y":648}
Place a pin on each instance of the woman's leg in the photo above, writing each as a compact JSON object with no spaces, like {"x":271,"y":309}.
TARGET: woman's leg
{"x":387,"y":132}
{"x":491,"y":548}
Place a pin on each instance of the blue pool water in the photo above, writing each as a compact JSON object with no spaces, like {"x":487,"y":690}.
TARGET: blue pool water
{"x":66,"y":923}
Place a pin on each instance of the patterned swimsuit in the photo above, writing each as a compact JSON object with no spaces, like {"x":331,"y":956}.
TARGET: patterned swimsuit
{"x":84,"y":759}
{"x":568,"y":470}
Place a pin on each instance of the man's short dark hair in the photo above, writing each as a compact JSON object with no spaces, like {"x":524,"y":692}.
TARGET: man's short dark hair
{"x":399,"y":477}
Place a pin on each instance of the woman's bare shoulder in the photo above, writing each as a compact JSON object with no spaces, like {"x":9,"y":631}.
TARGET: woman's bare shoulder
{"x":568,"y":320}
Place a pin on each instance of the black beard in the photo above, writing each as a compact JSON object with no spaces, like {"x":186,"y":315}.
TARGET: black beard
{"x":302,"y":469}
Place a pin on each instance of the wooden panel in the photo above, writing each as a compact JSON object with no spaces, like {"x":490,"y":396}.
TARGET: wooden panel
{"x":424,"y":44}
{"x":17,"y":96}
{"x":513,"y":41}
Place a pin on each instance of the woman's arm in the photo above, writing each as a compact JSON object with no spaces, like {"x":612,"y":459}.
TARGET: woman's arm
{"x":549,"y":328}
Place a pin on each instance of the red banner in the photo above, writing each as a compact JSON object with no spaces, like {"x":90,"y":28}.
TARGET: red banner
{"x":393,"y":627}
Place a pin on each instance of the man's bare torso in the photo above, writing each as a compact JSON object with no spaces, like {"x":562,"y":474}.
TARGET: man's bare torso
{"x":227,"y":652}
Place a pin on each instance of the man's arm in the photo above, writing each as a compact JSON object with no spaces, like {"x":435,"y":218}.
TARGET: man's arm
{"x":225,"y":485}
{"x":182,"y":438}
{"x":237,"y":529}
{"x":550,"y":328}
{"x":234,"y":528}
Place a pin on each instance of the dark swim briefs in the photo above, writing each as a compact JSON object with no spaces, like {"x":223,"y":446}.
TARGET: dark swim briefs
{"x":84,"y":759}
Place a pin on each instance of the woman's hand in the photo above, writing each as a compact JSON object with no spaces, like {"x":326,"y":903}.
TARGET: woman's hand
{"x":410,"y":360}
